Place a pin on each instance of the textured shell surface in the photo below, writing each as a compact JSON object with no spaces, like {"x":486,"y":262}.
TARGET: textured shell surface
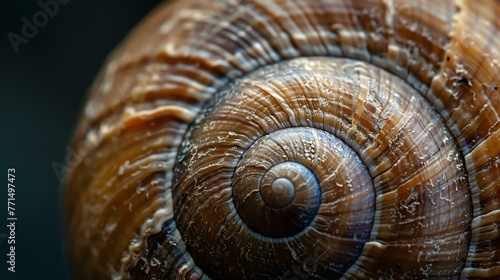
{"x":328,"y":139}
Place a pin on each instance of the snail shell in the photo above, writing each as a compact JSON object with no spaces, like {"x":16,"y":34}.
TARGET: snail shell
{"x":291,"y":140}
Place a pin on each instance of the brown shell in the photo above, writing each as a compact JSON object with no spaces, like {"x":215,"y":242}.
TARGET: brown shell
{"x":293,"y":140}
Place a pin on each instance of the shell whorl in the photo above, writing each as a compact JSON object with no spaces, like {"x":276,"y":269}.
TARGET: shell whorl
{"x":293,"y":140}
{"x":307,"y":112}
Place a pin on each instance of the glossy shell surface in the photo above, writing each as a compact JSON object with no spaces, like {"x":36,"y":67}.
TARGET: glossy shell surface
{"x":293,"y":140}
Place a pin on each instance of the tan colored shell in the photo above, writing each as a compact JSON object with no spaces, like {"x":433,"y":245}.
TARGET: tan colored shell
{"x":403,"y":94}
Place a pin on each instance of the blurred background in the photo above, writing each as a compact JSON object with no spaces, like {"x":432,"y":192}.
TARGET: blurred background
{"x":42,"y":89}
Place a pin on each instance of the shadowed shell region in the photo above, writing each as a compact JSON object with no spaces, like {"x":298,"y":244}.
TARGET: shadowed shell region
{"x":293,"y":140}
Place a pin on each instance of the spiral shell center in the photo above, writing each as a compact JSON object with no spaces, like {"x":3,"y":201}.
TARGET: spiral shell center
{"x":306,"y":150}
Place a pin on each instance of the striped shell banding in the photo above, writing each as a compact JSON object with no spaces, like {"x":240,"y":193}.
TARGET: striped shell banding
{"x":293,"y":140}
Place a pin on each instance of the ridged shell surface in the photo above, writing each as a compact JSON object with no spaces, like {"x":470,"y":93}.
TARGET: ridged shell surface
{"x":326,"y":139}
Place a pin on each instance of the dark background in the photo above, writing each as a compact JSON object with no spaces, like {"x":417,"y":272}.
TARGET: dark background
{"x":42,"y":90}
